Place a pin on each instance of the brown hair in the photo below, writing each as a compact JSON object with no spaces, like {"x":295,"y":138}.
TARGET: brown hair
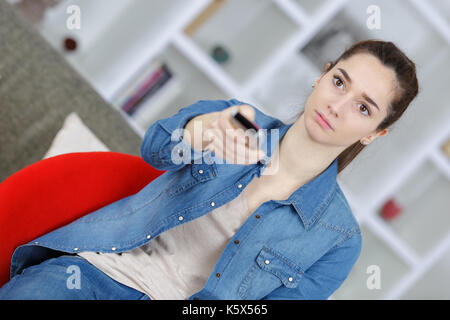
{"x":408,"y":87}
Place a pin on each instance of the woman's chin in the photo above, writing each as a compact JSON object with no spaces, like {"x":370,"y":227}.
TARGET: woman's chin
{"x":316,"y":132}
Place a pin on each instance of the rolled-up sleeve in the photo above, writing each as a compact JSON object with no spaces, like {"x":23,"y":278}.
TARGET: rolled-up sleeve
{"x":163,"y":146}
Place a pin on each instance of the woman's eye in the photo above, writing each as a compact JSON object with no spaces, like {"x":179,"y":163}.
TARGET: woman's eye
{"x":366,"y":109}
{"x":338,"y":82}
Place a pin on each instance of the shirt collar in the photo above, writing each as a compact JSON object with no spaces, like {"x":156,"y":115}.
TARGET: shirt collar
{"x":311,"y":199}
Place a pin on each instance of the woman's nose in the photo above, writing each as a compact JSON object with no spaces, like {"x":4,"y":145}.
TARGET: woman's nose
{"x":338,"y":106}
{"x":331,"y":111}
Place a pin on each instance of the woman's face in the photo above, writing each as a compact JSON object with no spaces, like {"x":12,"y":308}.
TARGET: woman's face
{"x":346,"y":96}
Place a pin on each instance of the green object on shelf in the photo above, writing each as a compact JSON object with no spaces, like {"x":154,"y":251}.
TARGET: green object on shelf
{"x":220,"y":54}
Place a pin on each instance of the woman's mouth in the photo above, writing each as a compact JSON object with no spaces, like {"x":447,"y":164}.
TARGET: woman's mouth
{"x":322,"y":121}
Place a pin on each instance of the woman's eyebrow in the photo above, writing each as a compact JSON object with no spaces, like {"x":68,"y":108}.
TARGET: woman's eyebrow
{"x":365,"y":96}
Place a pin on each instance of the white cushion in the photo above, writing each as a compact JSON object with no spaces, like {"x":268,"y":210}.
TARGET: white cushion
{"x":74,"y":136}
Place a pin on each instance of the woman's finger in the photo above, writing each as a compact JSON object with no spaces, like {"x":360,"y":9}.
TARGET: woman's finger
{"x":232,"y":145}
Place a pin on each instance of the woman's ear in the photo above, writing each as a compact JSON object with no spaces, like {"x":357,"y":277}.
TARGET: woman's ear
{"x":370,"y":138}
{"x":383,"y":132}
{"x":327,"y":67}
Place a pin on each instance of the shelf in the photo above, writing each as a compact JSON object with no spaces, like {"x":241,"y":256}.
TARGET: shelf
{"x":442,"y":161}
{"x":298,"y":40}
{"x":374,"y":252}
{"x":426,"y":265}
{"x":130,"y":37}
{"x":425,"y":219}
{"x":96,"y":17}
{"x":433,"y":15}
{"x":285,"y":92}
{"x":416,"y":36}
{"x":242,"y":29}
{"x":311,"y":6}
{"x":349,"y":26}
{"x":333,"y":39}
{"x":193,"y":85}
{"x":434,"y":284}
{"x":443,"y":7}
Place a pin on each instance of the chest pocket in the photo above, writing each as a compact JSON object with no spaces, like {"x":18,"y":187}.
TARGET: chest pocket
{"x":284,"y":270}
{"x":270,"y":271}
{"x":193,"y":175}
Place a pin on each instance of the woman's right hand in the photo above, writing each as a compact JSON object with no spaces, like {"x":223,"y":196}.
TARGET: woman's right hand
{"x":230,"y":140}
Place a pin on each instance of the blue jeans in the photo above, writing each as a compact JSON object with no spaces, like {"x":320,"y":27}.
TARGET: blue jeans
{"x":67,"y":277}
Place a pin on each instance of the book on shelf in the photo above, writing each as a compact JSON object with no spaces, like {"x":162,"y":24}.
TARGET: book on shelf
{"x":152,"y":83}
{"x":154,"y":107}
{"x":148,"y":92}
{"x":204,"y":16}
{"x":136,"y":81}
{"x":142,"y":85}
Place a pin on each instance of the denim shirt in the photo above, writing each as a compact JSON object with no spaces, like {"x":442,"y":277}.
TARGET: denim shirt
{"x":300,"y":248}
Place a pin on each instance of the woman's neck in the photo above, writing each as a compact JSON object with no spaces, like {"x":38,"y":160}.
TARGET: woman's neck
{"x":298,"y":158}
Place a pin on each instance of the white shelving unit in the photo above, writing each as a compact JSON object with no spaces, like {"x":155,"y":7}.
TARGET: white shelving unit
{"x":273,"y":66}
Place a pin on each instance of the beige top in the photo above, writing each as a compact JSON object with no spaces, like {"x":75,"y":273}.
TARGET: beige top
{"x":177,"y":263}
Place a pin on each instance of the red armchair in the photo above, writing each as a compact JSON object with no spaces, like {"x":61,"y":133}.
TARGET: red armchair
{"x":58,"y":190}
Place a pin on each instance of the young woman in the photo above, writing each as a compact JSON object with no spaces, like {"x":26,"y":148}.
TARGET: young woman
{"x":261,"y":225}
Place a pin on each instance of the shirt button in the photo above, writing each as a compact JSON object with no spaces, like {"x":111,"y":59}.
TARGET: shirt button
{"x":212,"y":204}
{"x":290,"y":279}
{"x":149,"y":236}
{"x":236,"y":241}
{"x":218,"y":275}
{"x":180,"y":152}
{"x":239,"y":185}
{"x":267,"y":262}
{"x":257,"y":216}
{"x":75,"y":249}
{"x":200,"y":171}
{"x":180,"y":218}
{"x":113,"y":248}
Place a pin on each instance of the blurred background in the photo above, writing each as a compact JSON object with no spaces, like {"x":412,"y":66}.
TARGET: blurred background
{"x":90,"y":75}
